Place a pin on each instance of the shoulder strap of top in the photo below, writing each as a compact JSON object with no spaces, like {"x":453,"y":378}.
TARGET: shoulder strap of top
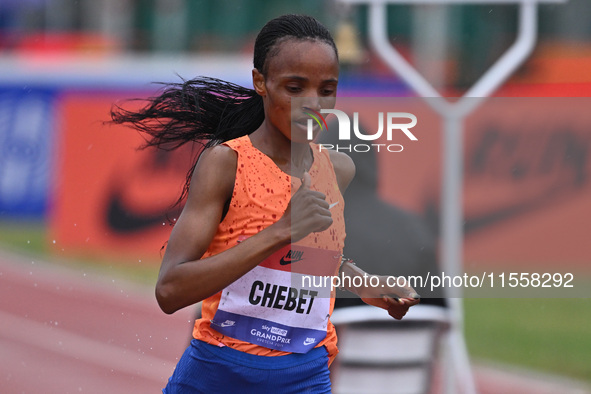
{"x":238,"y":143}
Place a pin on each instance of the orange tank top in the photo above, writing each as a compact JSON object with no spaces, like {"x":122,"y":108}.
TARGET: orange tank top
{"x":261,"y":194}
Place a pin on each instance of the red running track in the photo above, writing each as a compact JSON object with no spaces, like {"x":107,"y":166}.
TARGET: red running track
{"x":71,"y":332}
{"x":67,"y":331}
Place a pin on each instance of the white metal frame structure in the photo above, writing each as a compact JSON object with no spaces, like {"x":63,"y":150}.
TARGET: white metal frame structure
{"x":454,"y":114}
{"x":403,"y":362}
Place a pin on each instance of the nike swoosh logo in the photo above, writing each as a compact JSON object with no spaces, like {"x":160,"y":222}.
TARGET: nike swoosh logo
{"x":287,"y":261}
{"x":124,"y":220}
{"x":153,"y":169}
{"x":474,"y":222}
{"x":541,"y":174}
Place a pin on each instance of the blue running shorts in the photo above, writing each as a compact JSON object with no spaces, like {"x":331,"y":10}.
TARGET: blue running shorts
{"x":210,"y":369}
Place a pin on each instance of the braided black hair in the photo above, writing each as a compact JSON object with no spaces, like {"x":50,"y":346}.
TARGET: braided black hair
{"x":210,"y":111}
{"x":287,"y":26}
{"x":203,"y":110}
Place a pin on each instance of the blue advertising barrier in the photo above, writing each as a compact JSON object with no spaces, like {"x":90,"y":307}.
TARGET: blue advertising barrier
{"x":27,"y":134}
{"x":31,"y":93}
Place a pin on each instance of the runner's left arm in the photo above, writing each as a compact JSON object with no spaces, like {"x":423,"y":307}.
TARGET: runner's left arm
{"x":396,"y":300}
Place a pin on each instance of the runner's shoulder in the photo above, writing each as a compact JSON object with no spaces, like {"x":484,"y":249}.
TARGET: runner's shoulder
{"x":216,"y":170}
{"x":344,"y":168}
{"x":221,"y":155}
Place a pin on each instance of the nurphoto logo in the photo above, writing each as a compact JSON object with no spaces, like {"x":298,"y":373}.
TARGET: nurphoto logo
{"x":395,"y":122}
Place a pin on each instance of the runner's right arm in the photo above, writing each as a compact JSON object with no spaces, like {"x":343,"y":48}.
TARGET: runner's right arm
{"x":184,"y":278}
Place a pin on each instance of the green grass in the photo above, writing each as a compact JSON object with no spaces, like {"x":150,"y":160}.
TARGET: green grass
{"x":552,"y":335}
{"x":30,"y":239}
{"x":23,"y":236}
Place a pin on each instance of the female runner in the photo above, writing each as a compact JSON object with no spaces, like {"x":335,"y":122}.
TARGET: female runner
{"x":243,"y":235}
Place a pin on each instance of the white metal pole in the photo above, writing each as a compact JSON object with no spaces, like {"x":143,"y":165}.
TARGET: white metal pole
{"x":452,"y":241}
{"x":508,"y":63}
{"x":454,"y":114}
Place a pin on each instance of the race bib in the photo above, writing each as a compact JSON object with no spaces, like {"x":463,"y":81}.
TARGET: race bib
{"x":283,"y":303}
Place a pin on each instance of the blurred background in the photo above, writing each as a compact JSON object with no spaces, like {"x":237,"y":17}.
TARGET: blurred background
{"x":77,"y":195}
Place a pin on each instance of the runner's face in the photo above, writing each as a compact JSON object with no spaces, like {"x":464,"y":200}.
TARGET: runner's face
{"x":304,"y":69}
